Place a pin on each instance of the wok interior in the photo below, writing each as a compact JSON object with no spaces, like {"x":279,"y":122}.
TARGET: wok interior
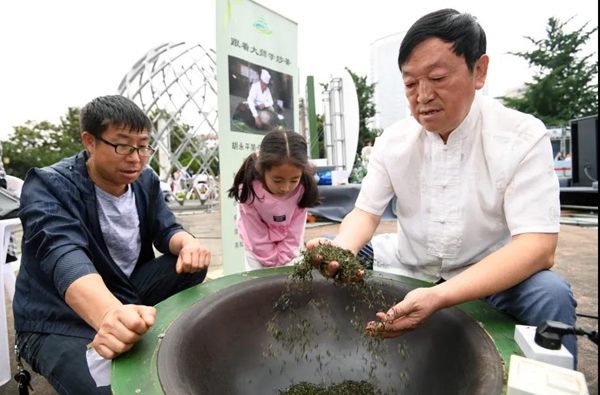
{"x":221,"y":345}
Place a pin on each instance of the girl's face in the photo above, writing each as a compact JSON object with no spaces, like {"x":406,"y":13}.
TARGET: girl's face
{"x":283,"y":179}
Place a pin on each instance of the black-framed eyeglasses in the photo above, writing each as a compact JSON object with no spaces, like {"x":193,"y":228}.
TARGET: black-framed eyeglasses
{"x":126,"y":149}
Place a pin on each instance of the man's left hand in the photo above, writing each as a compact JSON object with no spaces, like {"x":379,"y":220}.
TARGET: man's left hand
{"x":193,"y":257}
{"x":406,"y":316}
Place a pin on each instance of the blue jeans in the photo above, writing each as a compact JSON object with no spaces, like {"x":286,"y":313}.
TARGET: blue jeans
{"x":61,"y":358}
{"x":543,"y":296}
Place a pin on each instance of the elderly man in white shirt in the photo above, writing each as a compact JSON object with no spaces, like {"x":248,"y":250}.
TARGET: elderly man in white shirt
{"x":259,"y":97}
{"x":478,"y":199}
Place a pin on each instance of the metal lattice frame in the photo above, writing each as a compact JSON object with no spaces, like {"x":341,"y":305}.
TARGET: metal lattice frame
{"x":176,"y":85}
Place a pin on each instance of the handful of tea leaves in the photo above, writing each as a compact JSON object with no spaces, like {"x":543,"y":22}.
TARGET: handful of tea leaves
{"x":299,"y":336}
{"x":350,"y":265}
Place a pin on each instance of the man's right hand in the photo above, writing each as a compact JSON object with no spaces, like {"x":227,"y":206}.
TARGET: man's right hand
{"x":332,"y":267}
{"x":121,"y":328}
{"x":257,"y":122}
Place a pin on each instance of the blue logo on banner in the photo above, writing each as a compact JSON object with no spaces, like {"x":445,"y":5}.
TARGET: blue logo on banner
{"x":262,"y":26}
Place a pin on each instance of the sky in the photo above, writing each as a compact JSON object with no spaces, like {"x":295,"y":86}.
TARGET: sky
{"x":62,"y":53}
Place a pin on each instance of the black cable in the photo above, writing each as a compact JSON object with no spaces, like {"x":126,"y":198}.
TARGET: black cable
{"x":585,"y":170}
{"x":549,"y":334}
{"x":592,"y":335}
{"x":585,"y":315}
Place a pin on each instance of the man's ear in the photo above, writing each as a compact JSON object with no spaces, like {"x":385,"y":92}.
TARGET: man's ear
{"x":89,"y":141}
{"x":480,"y":71}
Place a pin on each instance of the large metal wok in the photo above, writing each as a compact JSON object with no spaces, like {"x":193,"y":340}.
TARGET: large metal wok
{"x":213,"y":340}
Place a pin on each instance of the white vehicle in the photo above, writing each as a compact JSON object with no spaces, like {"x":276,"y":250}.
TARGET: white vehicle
{"x":202,"y":188}
{"x":165,"y":188}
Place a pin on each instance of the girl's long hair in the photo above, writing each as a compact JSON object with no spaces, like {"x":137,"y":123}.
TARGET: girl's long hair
{"x":277,"y":148}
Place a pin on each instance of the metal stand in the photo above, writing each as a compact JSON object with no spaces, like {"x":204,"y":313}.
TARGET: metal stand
{"x":333,"y":127}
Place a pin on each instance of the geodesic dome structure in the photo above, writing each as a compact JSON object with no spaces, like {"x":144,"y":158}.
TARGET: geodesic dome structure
{"x":176,"y":85}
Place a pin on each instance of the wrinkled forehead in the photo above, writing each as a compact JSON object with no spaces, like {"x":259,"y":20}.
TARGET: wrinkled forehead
{"x":429,"y":54}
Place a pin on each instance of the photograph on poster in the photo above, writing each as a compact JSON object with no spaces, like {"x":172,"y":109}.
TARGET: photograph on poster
{"x":260,"y":99}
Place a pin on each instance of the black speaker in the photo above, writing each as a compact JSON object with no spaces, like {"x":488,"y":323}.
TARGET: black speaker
{"x":584,"y":151}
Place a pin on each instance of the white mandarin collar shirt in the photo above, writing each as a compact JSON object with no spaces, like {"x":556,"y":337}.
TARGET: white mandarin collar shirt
{"x":257,"y":97}
{"x":459,"y":202}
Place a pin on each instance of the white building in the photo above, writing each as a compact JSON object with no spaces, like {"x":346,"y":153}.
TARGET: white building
{"x":389,"y":98}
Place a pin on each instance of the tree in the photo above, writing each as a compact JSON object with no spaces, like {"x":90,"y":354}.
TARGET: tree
{"x":366,"y":109}
{"x":43,"y":143}
{"x":38,"y":144}
{"x":321,"y":135}
{"x":565,"y":83}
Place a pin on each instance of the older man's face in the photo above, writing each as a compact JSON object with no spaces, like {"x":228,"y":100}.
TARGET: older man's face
{"x":439,"y":86}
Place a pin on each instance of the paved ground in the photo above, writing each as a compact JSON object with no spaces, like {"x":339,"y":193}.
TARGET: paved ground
{"x":577,"y":261}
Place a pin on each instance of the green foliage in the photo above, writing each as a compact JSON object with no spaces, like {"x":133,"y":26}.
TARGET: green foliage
{"x":321,"y":135}
{"x":39,"y":144}
{"x":565,"y":84}
{"x":359,"y":171}
{"x":366,"y":109}
{"x":43,"y":143}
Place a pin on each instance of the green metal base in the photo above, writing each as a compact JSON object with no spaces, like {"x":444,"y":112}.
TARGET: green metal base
{"x":136,"y":372}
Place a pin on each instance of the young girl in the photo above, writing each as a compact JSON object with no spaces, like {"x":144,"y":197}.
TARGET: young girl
{"x":274,"y":188}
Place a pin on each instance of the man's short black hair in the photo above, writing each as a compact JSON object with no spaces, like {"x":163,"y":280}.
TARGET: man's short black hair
{"x":115,"y":110}
{"x":462,"y":30}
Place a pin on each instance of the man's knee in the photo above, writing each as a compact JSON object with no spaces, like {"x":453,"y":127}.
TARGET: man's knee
{"x":543,"y":296}
{"x":158,"y":280}
{"x":553,"y":289}
{"x":195,"y":278}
